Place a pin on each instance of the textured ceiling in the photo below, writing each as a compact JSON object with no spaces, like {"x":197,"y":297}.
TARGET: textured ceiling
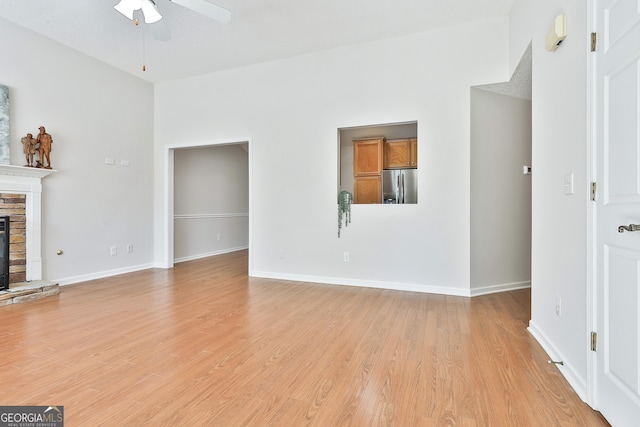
{"x":259,"y":31}
{"x":519,"y":86}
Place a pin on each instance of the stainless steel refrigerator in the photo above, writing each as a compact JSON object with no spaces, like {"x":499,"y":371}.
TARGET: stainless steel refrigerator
{"x":400,"y":186}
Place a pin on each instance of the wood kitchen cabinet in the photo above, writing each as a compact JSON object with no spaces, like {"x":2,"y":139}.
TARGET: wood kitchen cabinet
{"x":367,"y":170}
{"x":367,"y":156}
{"x":367,"y":189}
{"x":401,"y":153}
{"x":413,"y":161}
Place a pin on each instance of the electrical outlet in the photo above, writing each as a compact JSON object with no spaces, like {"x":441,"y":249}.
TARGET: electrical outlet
{"x":558,"y":306}
{"x":114,"y":250}
{"x":129,"y":248}
{"x":219,"y":236}
{"x":345,"y":257}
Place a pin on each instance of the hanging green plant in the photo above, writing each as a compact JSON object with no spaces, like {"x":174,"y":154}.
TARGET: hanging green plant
{"x":345,"y":199}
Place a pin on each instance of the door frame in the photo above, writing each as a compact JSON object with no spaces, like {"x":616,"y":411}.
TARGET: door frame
{"x":592,"y":158}
{"x":168,"y":208}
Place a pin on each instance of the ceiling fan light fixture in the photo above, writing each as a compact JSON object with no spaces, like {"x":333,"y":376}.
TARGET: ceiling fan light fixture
{"x":127,"y":7}
{"x":150,"y":11}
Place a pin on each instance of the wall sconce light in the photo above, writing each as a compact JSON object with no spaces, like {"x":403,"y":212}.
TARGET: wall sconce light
{"x":557,"y":33}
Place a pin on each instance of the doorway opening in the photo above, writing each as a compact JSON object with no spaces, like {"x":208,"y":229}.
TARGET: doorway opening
{"x":208,"y":200}
{"x":501,"y":209}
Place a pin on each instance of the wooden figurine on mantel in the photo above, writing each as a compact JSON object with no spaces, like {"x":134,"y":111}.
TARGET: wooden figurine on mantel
{"x":44,"y":149}
{"x":29,"y":147}
{"x":41,"y":145}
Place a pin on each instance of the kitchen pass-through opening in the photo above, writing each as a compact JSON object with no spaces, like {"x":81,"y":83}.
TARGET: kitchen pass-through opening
{"x":378,"y":164}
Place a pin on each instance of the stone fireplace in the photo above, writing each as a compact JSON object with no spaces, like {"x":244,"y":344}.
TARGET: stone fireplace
{"x":12,"y":206}
{"x":20,"y":199}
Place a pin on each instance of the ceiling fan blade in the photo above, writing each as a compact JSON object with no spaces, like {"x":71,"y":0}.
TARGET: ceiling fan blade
{"x":160,"y":31}
{"x":150,"y":12}
{"x":205,"y":8}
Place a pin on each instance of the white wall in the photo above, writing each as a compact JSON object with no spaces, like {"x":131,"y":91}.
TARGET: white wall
{"x":291,"y":109}
{"x":559,"y":222}
{"x":500,"y":192}
{"x":92,"y":111}
{"x":211,"y":201}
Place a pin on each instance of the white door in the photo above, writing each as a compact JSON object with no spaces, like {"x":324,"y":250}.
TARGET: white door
{"x":617,"y":111}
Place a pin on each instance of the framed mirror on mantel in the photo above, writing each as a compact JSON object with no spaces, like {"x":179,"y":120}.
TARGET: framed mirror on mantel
{"x":379,"y":163}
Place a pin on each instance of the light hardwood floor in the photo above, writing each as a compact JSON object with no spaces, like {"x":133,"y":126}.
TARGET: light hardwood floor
{"x":204,"y":345}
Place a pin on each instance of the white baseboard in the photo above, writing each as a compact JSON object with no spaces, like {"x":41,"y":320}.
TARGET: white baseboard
{"x":376,"y":284}
{"x":409,"y":287}
{"x":102,"y":274}
{"x":503,"y":287}
{"x":208,"y":254}
{"x":118,"y":271}
{"x":578,"y":383}
{"x":444,"y":290}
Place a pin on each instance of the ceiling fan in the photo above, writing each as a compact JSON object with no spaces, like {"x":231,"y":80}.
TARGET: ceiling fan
{"x":151,"y":13}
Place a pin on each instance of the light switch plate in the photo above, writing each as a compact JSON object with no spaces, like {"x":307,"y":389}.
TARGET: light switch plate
{"x":568,"y":184}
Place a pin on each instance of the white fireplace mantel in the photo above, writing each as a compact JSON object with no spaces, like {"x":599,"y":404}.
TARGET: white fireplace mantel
{"x":28,"y":181}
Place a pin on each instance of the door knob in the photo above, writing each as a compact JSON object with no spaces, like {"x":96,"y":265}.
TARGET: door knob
{"x":630,"y":227}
